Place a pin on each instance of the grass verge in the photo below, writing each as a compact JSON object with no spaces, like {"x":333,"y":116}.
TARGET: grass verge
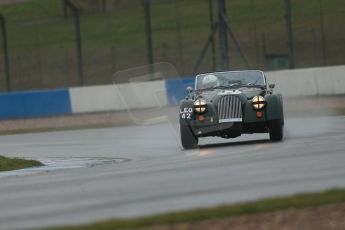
{"x":7,"y":164}
{"x":299,"y":201}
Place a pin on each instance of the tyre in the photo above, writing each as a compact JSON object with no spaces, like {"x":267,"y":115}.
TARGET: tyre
{"x":188,"y":139}
{"x":276,"y":130}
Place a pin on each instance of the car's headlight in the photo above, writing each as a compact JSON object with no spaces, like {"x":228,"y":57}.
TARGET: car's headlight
{"x":258,"y":102}
{"x":200,"y":106}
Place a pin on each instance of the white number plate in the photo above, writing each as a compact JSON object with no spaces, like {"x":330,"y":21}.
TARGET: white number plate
{"x":186,"y":113}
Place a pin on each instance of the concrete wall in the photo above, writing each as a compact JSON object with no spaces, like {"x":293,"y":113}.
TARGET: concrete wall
{"x":291,"y":83}
{"x":35,"y":104}
{"x":309,"y":82}
{"x":118,"y":97}
{"x":139,"y":95}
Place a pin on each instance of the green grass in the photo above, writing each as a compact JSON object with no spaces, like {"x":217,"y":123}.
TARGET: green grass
{"x":7,"y":164}
{"x":42,"y":41}
{"x":306,"y":200}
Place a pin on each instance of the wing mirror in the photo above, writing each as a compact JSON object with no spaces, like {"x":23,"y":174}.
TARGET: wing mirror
{"x":189,"y":89}
{"x":272,"y":86}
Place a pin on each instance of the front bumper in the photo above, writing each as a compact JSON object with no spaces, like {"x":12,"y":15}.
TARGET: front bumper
{"x":235,"y":128}
{"x":220,"y":127}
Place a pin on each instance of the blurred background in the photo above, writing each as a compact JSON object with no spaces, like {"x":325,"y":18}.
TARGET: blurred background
{"x":58,"y":43}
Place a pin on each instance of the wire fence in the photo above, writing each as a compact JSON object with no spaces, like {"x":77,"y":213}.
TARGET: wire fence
{"x":43,"y":49}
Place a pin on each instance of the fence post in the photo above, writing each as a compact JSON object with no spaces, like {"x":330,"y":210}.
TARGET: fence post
{"x":104,"y":6}
{"x":5,"y":48}
{"x":213,"y":44}
{"x":323,"y":40}
{"x":223,"y":35}
{"x":147,"y":6}
{"x":113,"y":60}
{"x":66,"y":68}
{"x":290,"y":34}
{"x":76,"y":13}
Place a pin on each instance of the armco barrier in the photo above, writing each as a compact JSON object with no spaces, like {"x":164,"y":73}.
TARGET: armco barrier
{"x":35,"y":104}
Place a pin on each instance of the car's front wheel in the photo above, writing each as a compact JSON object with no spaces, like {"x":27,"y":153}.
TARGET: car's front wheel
{"x":276,"y":130}
{"x":188,"y":139}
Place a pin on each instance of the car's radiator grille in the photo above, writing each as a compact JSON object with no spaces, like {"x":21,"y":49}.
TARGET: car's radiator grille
{"x":229,"y":109}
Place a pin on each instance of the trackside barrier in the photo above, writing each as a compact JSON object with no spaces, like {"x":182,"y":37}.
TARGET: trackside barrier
{"x":176,"y":89}
{"x":35,"y":104}
{"x":310,"y":81}
{"x":291,"y":83}
{"x":140,"y":95}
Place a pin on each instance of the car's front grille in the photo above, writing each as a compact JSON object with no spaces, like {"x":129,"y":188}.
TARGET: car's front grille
{"x":229,"y":109}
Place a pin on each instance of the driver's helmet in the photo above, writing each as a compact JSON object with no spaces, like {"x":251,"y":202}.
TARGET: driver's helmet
{"x":209,"y":81}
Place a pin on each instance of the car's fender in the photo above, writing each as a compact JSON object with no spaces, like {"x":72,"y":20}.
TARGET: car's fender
{"x":274,"y":109}
{"x":186,"y":112}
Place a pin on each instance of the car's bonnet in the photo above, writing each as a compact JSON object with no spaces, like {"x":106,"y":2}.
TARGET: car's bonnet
{"x":247,"y":92}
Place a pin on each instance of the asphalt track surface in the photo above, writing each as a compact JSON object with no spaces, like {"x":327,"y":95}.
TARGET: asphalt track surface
{"x":145,"y":171}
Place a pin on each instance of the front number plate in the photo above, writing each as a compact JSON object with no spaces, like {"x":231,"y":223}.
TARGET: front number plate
{"x":186,"y":113}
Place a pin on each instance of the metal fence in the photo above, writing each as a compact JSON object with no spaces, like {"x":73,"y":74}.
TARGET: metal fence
{"x":43,"y":41}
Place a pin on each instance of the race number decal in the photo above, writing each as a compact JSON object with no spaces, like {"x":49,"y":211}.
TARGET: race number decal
{"x":186,"y":113}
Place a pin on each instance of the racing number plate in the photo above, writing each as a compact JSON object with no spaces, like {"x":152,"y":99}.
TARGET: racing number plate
{"x":186,"y":113}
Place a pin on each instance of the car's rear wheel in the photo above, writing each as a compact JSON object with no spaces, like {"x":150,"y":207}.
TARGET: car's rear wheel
{"x":276,"y":130}
{"x":188,"y":139}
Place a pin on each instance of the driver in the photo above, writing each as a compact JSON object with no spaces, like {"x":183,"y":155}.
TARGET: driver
{"x":210,"y":81}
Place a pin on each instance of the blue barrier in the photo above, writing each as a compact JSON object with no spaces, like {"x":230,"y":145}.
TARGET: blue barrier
{"x":35,"y":104}
{"x":176,"y":89}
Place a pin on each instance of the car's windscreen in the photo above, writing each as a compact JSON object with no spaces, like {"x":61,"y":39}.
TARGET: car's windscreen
{"x":230,"y":79}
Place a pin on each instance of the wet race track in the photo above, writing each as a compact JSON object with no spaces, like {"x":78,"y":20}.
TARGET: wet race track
{"x":97,"y":174}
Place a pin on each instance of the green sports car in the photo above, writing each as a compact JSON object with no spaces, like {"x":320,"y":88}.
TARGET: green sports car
{"x":228,"y":104}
